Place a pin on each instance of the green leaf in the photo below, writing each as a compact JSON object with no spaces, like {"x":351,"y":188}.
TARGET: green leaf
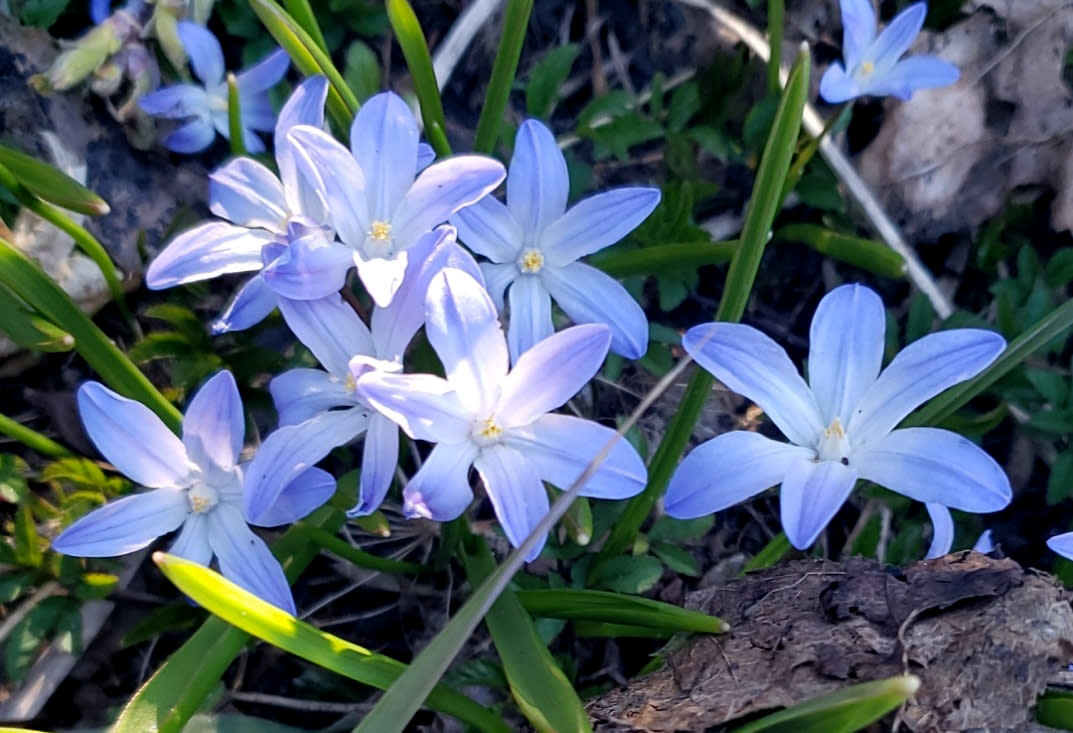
{"x":27,"y":543}
{"x":545,"y":79}
{"x":630,"y":574}
{"x":235,"y":135}
{"x":1052,"y":386}
{"x":28,"y":329}
{"x":361,"y":70}
{"x":680,"y":530}
{"x":1060,"y":480}
{"x":763,"y":206}
{"x":25,"y":279}
{"x":505,"y":66}
{"x":624,"y":132}
{"x":13,"y":585}
{"x":667,"y":258}
{"x":844,"y":711}
{"x":80,"y":472}
{"x":866,"y":254}
{"x":356,"y":557}
{"x":415,"y":50}
{"x":31,"y":633}
{"x":1054,"y":709}
{"x":41,"y":13}
{"x":94,"y":586}
{"x":543,"y":693}
{"x":771,"y":553}
{"x":573,"y":604}
{"x":255,"y":616}
{"x":13,"y":471}
{"x":170,"y":617}
{"x":918,"y":322}
{"x":677,"y":559}
{"x":1059,"y":270}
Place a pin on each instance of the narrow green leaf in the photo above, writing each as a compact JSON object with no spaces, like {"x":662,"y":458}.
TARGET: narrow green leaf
{"x":308,"y":58}
{"x":28,"y":329}
{"x":664,"y":258}
{"x":776,"y":12}
{"x":32,"y":439}
{"x":578,"y":522}
{"x":342,"y":549}
{"x":1054,"y":709}
{"x":763,"y":206}
{"x":52,"y":184}
{"x":27,"y":543}
{"x":361,"y":70}
{"x":303,"y":15}
{"x":415,"y":50}
{"x":867,"y":254}
{"x":596,"y":605}
{"x":82,"y":238}
{"x":773,"y":551}
{"x":844,"y":711}
{"x":23,"y":277}
{"x":1041,"y":333}
{"x":234,"y":117}
{"x":545,"y":79}
{"x":255,"y":616}
{"x":539,"y":687}
{"x":515,"y":23}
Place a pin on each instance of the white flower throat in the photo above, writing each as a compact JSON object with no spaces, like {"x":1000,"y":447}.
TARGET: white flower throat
{"x":486,"y":432}
{"x":202,"y":497}
{"x":834,"y":444}
{"x":531,"y":261}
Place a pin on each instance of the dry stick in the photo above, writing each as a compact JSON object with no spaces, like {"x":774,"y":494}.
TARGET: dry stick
{"x":450,"y":51}
{"x":840,"y":164}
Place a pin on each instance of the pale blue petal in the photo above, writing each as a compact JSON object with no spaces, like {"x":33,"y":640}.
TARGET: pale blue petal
{"x":291,"y":450}
{"x":251,"y":305}
{"x":751,"y":364}
{"x":312,"y":267}
{"x":497,"y":278}
{"x":897,"y":37}
{"x":836,"y":86}
{"x":933,"y":465}
{"x":424,"y":406}
{"x":193,"y":541}
{"x":440,"y":489}
{"x":245,"y":559}
{"x":530,"y":315}
{"x":588,"y":295}
{"x":332,"y":171}
{"x":379,"y":457}
{"x":203,"y":51}
{"x":562,"y":447}
{"x":596,"y":222}
{"x":214,"y":426}
{"x":727,"y":470}
{"x":304,"y":107}
{"x":489,"y":229}
{"x":308,"y":491}
{"x":99,"y":10}
{"x":208,"y":250}
{"x":381,"y":276}
{"x":858,"y":29}
{"x":538,"y":182}
{"x":441,"y":190}
{"x":463,"y":327}
{"x":845,"y":349}
{"x":911,"y":74}
{"x":920,"y":371}
{"x":176,"y":102}
{"x":264,"y":75}
{"x":329,"y":328}
{"x":1062,"y":544}
{"x":942,"y":530}
{"x":125,"y":525}
{"x":812,"y":493}
{"x":425,"y":156}
{"x":301,"y":394}
{"x":193,"y":137}
{"x":518,"y":496}
{"x":984,"y":543}
{"x":133,"y":438}
{"x":552,"y":372}
{"x":384,"y":138}
{"x":248,"y":194}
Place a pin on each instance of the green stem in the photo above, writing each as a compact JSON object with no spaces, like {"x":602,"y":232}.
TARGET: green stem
{"x":515,"y":23}
{"x":32,"y":439}
{"x":776,"y":12}
{"x":234,"y":117}
{"x":343,"y":549}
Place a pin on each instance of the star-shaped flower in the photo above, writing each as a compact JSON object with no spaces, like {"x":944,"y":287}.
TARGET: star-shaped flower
{"x":378,"y":208}
{"x":496,"y":420}
{"x":197,"y":483}
{"x":535,"y":243}
{"x":841,"y":424}
{"x":874,"y":64}
{"x":207,"y":104}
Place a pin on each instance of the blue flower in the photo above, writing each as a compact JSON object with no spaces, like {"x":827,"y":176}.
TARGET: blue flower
{"x":207,"y":104}
{"x":377,"y":207}
{"x":534,"y":244}
{"x":197,"y":484}
{"x":872,"y":62}
{"x":942,"y":533}
{"x":259,"y":210}
{"x":840,"y":425}
{"x":496,"y":420}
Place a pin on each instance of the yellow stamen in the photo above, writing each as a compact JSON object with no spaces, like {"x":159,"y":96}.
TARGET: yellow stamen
{"x":531,"y":261}
{"x":199,"y":504}
{"x":380,"y":231}
{"x":490,"y":431}
{"x":351,"y":384}
{"x":867,"y":67}
{"x":835,"y":430}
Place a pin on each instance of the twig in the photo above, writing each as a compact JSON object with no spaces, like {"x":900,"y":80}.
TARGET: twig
{"x":450,"y":51}
{"x":317,"y":706}
{"x":839,"y":163}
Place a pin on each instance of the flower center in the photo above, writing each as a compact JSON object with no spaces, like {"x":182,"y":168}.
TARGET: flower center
{"x":834,"y":444}
{"x":351,"y":384}
{"x":202,"y":497}
{"x":531,"y":261}
{"x":487,"y":431}
{"x":380,"y":231}
{"x":867,"y":68}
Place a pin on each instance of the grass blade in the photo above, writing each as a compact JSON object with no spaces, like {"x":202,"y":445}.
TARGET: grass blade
{"x":515,"y":23}
{"x":574,"y":604}
{"x":867,"y":254}
{"x":665,"y":258}
{"x":415,"y":50}
{"x":51,"y":184}
{"x":234,"y":117}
